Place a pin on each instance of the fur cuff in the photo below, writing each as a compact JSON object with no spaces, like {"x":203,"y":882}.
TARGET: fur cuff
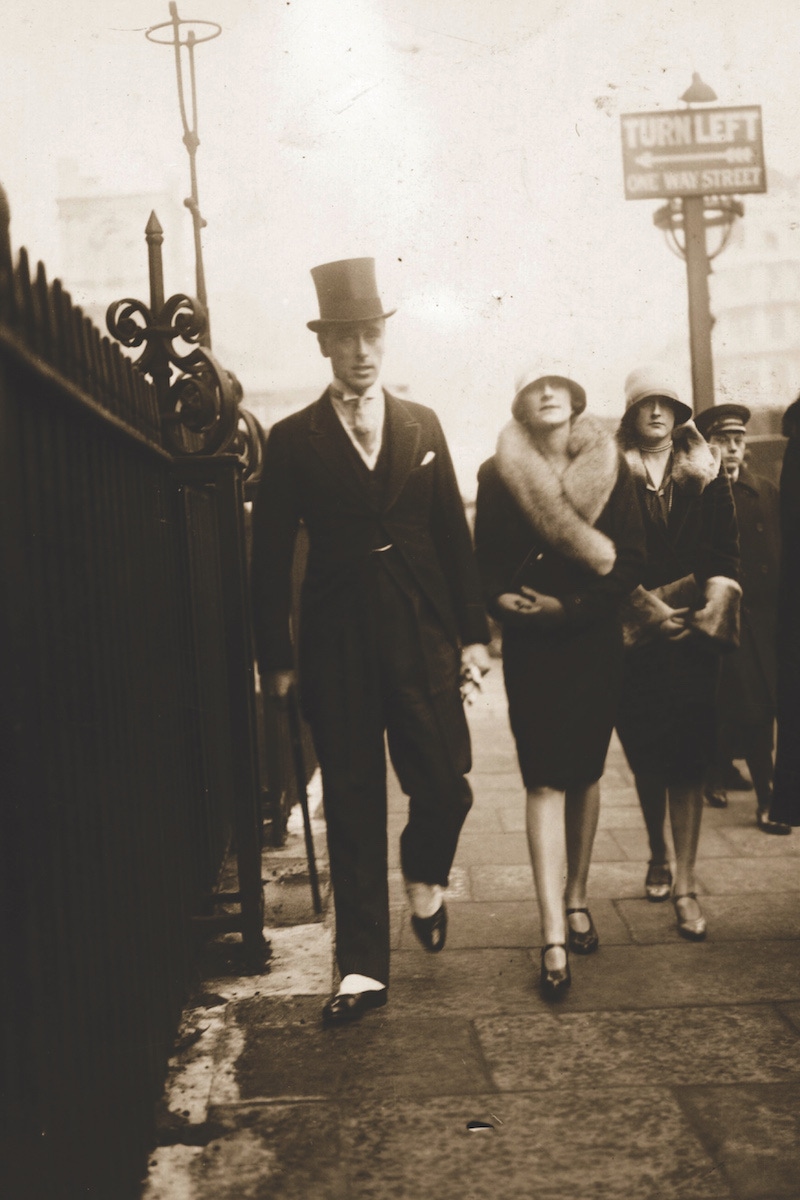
{"x":642,"y":613}
{"x":718,"y":619}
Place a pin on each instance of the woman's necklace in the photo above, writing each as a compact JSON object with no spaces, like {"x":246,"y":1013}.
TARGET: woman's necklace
{"x":665,"y":445}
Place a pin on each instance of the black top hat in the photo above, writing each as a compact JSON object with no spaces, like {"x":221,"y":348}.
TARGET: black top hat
{"x":722,"y":418}
{"x":347,"y":292}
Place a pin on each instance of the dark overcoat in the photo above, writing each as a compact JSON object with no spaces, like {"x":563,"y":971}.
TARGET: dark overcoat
{"x":307,"y":478}
{"x":748,"y":675}
{"x":667,"y":714}
{"x":786,"y":802}
{"x":562,"y":684}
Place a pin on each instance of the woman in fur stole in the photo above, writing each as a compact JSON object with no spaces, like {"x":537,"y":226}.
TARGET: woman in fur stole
{"x":675,"y":628}
{"x":559,"y":541}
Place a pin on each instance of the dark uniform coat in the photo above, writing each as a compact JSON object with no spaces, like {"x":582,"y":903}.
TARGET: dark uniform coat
{"x":748,"y":676}
{"x":786,"y":801}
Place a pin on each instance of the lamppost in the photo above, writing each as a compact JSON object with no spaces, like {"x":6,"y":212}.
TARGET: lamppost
{"x":190,"y":139}
{"x":200,"y":406}
{"x":684,"y":220}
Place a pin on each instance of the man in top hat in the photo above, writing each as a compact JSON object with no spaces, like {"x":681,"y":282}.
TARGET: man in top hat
{"x":746,"y":705}
{"x":391,"y":622}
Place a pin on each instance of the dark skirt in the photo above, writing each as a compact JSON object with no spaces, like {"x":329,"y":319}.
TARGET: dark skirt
{"x":562,"y":688}
{"x":667,"y":712}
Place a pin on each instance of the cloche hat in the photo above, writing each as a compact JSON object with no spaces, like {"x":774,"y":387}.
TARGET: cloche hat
{"x":347,"y":292}
{"x":554,"y":369}
{"x":650,"y":383}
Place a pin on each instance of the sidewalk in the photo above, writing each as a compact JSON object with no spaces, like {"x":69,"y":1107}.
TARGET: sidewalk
{"x":670,"y":1070}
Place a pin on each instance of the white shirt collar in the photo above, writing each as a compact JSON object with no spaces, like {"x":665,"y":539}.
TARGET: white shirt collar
{"x":374,"y":395}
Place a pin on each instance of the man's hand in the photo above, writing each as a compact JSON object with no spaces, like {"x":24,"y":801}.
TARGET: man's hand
{"x":674,"y":627}
{"x":280,"y":683}
{"x":475,"y":662}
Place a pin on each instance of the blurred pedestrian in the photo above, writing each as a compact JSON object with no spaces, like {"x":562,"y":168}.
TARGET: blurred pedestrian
{"x":746,"y":701}
{"x":786,"y":800}
{"x":559,"y":541}
{"x":391,"y":615}
{"x":675,"y":627}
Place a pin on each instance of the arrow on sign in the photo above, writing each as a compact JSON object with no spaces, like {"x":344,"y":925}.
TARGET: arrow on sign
{"x":742,"y":154}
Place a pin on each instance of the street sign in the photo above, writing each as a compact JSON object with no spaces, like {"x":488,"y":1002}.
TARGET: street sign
{"x":693,"y":152}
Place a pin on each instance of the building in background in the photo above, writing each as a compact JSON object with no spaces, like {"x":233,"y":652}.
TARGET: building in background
{"x":103,"y":249}
{"x":755,"y":299}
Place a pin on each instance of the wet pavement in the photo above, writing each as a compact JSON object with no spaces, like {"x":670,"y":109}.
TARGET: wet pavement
{"x":670,"y":1070}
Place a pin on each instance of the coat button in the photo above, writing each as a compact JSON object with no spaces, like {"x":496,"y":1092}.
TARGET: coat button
{"x":759,"y":527}
{"x":539,"y":557}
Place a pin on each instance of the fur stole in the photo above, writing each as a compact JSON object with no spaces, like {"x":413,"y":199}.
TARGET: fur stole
{"x":563,"y":511}
{"x":694,"y":462}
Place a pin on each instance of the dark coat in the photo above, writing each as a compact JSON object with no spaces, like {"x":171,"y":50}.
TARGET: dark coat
{"x":562,"y":684}
{"x":667,"y":715}
{"x":307,"y":477}
{"x":748,"y":676}
{"x":786,"y":802}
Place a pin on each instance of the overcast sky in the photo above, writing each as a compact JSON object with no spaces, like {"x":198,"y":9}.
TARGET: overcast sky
{"x":471,"y":146}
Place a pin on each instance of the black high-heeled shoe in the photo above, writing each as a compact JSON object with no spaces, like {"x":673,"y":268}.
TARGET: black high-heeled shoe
{"x":554,"y":983}
{"x":582,"y":942}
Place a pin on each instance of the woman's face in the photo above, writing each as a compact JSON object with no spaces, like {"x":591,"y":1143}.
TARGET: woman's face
{"x":655,"y":420}
{"x":547,"y":404}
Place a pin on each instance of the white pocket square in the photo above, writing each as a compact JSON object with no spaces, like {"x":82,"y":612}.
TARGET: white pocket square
{"x":429,"y":457}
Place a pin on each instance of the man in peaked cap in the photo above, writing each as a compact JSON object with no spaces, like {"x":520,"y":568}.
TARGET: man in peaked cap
{"x":391,"y":621}
{"x":746,"y":706}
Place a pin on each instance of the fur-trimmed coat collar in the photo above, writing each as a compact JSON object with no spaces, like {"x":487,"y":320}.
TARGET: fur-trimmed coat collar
{"x":694,"y":462}
{"x":563,"y":510}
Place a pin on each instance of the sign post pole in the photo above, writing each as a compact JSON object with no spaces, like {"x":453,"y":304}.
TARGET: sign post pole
{"x":700,"y":321}
{"x":691,"y":157}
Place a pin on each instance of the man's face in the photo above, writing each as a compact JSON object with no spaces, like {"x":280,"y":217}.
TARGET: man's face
{"x":732,"y":445}
{"x":355,"y":351}
{"x":655,"y":420}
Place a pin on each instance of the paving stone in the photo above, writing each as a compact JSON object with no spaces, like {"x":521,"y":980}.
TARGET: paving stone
{"x":751,"y":841}
{"x":498,"y":924}
{"x":729,"y":876}
{"x":620,"y":817}
{"x":617,"y":880}
{"x":681,"y":974}
{"x":791,"y":1012}
{"x":655,"y":1048}
{"x":465,"y":983}
{"x":575,"y":1145}
{"x":616,"y":796}
{"x":501,"y":882}
{"x":753,"y":1131}
{"x":492,"y":848}
{"x":730,"y":918}
{"x":411,"y":1056}
{"x":270,"y":1152}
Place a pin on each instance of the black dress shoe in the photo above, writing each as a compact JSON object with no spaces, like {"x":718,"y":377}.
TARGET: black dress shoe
{"x":346,"y":1008}
{"x":767,"y":826}
{"x":431,"y":931}
{"x":582,"y":942}
{"x":716,"y":796}
{"x":658,"y":882}
{"x":554,"y":983}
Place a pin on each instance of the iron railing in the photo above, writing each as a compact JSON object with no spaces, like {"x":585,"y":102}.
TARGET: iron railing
{"x":127,"y":753}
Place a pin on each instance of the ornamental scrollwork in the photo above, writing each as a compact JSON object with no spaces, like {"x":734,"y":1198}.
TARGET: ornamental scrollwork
{"x":200,"y":404}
